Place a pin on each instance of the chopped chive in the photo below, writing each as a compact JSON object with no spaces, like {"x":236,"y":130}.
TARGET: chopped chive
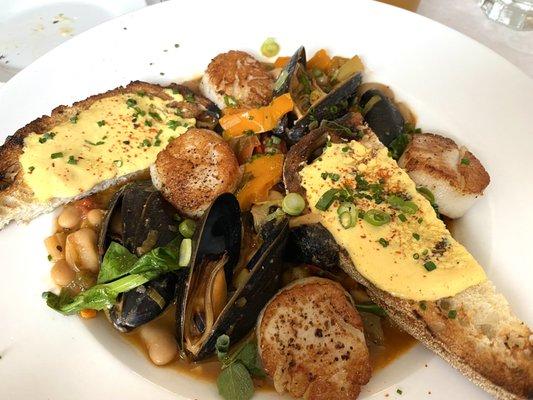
{"x":118,"y":163}
{"x":416,"y":256}
{"x":452,"y":314}
{"x":423,"y":305}
{"x":465,"y":161}
{"x":399,"y":391}
{"x":324,"y":175}
{"x":383,"y":242}
{"x":72,"y":160}
{"x":31,"y":169}
{"x":345,"y":149}
{"x":126,"y":141}
{"x":155,"y":116}
{"x":148,"y":122}
{"x":420,"y":220}
{"x":141,"y":93}
{"x":74,"y":118}
{"x":176,"y":45}
{"x":189,"y":97}
{"x":56,"y":155}
{"x":402,"y":217}
{"x":425,"y":252}
{"x":416,"y":236}
{"x":94,"y":144}
{"x":101,"y":123}
{"x":147,"y":143}
{"x":173,"y":124}
{"x":47,"y":136}
{"x":49,"y":257}
{"x":376,"y":217}
{"x":430,"y":265}
{"x":131,"y":102}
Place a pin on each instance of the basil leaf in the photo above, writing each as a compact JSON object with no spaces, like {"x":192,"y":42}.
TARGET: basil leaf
{"x":117,"y":262}
{"x":163,"y":258}
{"x":249,"y":357}
{"x":235,"y":383}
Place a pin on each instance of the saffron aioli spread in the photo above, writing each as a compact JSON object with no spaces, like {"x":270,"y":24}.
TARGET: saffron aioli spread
{"x":395,"y":239}
{"x":114,"y":137}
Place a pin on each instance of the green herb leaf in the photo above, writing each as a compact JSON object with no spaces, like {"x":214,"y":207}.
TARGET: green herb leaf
{"x":131,"y":102}
{"x":155,"y":115}
{"x":104,"y":295}
{"x":74,"y":118}
{"x":53,"y":156}
{"x":249,"y":357}
{"x":222,"y":348}
{"x":235,"y":383}
{"x":465,"y":161}
{"x":117,"y":262}
{"x":72,"y":160}
{"x":47,"y":136}
{"x":429,"y":265}
{"x":398,"y":145}
{"x":452,"y":314}
{"x":31,"y":169}
{"x":101,"y":123}
{"x":383,"y":242}
{"x":173,"y":124}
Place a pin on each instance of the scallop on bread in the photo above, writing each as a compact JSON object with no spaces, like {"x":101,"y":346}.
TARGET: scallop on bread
{"x":387,"y":236}
{"x":96,"y":143}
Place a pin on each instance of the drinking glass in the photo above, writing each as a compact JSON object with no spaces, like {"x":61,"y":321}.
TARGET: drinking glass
{"x":516,"y":14}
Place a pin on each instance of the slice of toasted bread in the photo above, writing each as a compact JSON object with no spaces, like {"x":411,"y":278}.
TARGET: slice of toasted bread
{"x":475,"y":331}
{"x":17,"y":200}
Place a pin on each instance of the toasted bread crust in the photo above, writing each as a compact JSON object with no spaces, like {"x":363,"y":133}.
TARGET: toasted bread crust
{"x":16,"y":198}
{"x":502,"y":364}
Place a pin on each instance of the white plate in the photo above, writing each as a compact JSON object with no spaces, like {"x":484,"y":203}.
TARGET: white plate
{"x":455,"y":86}
{"x":30,"y":28}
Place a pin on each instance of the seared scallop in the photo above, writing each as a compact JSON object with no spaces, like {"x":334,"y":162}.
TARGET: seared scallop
{"x":237,"y":79}
{"x":194,"y":169}
{"x":452,"y":173}
{"x":311,"y":341}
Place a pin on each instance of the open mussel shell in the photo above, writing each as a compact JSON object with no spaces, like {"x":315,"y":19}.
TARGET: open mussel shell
{"x":214,"y":304}
{"x":331,"y":106}
{"x":140,"y":219}
{"x":382,"y":115}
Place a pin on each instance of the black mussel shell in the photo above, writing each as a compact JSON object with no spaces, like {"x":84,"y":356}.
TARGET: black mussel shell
{"x":332,"y":106}
{"x":145,"y":221}
{"x":382,"y":116}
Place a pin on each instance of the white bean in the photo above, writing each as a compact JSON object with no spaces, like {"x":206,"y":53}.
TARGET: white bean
{"x":81,"y":252}
{"x":160,"y":342}
{"x":95,"y":217}
{"x":69,"y":218}
{"x":62,"y":274}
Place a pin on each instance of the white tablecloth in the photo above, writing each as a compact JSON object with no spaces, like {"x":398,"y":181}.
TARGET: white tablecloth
{"x":466,"y":17}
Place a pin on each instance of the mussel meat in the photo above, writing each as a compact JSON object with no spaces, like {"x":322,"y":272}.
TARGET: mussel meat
{"x":140,"y":219}
{"x":228,"y":283}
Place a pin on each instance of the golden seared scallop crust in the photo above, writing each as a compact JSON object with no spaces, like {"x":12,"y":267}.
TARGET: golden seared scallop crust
{"x":194,"y":169}
{"x":239,"y":75}
{"x":311,"y":341}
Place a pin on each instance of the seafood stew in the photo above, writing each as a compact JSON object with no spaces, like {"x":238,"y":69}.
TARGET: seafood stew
{"x":270,"y":226}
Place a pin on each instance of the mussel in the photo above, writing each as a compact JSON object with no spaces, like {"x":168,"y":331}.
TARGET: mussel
{"x":382,"y":115}
{"x":233,"y":273}
{"x":140,"y":219}
{"x":331,"y":106}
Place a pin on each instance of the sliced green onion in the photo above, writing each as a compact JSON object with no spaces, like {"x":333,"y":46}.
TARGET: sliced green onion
{"x":56,"y":155}
{"x":327,"y":199}
{"x":430,"y":265}
{"x":185,"y":252}
{"x":402,"y":217}
{"x":424,"y":191}
{"x":395,"y":201}
{"x":376,"y":217}
{"x":409,"y":207}
{"x":187,"y":228}
{"x":293,"y":204}
{"x":270,"y":47}
{"x":347,"y":215}
{"x":416,"y":236}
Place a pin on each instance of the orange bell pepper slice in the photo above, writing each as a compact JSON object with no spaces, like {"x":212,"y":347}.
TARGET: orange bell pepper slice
{"x":320,"y":60}
{"x":262,"y":173}
{"x":281,"y":62}
{"x":257,"y":120}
